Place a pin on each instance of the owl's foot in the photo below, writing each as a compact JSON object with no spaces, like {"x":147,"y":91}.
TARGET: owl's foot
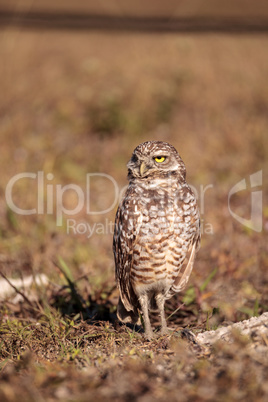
{"x":148,"y":334}
{"x":164,"y":330}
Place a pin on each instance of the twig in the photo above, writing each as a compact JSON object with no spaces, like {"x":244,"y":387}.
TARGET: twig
{"x":174,"y":312}
{"x":16,"y":289}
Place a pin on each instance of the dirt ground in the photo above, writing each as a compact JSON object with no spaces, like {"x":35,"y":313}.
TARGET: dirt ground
{"x":77,"y":103}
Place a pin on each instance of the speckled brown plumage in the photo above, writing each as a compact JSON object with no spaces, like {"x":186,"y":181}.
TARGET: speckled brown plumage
{"x":157,"y":233}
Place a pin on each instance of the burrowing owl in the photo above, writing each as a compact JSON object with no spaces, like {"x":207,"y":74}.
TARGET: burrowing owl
{"x":157,"y":233}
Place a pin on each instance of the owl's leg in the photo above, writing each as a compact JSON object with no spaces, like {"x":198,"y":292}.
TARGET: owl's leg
{"x":144,"y":302}
{"x":160,"y":301}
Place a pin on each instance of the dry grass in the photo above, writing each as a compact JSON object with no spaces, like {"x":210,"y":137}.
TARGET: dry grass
{"x":74,"y":103}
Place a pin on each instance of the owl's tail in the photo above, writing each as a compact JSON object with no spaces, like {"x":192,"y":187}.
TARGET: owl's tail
{"x":127,"y":316}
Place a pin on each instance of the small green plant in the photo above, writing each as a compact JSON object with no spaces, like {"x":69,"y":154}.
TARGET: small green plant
{"x":190,"y":296}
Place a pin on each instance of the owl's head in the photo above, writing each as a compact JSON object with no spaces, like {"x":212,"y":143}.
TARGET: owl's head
{"x":155,"y":159}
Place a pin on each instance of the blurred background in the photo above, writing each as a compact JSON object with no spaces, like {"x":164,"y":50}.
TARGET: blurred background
{"x":82,"y":84}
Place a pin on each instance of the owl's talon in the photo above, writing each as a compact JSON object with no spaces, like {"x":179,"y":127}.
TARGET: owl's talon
{"x":164,"y":331}
{"x":149,"y":336}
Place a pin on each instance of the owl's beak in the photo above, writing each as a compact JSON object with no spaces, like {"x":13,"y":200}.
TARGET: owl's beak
{"x":143,"y":168}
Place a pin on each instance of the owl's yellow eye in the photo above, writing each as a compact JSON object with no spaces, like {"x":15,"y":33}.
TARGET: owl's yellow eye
{"x":160,"y":159}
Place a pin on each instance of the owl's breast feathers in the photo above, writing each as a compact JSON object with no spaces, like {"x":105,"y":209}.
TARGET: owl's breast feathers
{"x":157,"y":233}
